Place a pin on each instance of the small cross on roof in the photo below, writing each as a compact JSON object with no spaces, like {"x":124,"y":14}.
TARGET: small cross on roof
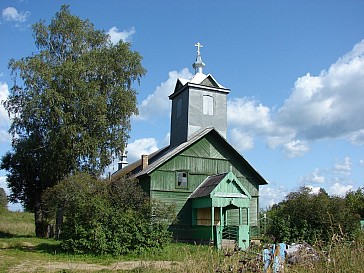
{"x":198,"y":45}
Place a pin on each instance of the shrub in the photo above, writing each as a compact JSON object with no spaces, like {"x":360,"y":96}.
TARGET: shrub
{"x":103,"y":217}
{"x":3,"y":200}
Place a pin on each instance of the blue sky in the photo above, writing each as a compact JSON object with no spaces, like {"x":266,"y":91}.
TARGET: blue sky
{"x":295,"y":70}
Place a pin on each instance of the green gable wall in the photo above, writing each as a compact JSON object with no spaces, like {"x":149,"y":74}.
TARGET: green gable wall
{"x":203,"y":158}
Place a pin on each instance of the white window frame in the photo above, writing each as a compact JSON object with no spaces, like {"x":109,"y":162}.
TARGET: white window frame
{"x":208,"y":105}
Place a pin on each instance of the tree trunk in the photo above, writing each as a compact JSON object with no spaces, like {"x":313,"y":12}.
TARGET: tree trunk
{"x":59,"y":221}
{"x":42,"y":227}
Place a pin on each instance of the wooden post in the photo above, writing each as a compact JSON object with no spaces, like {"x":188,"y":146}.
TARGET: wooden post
{"x":212,"y":216}
{"x":240,"y":216}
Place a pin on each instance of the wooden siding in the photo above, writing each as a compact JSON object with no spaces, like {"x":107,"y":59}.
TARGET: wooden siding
{"x":198,"y":169}
{"x":203,"y":158}
{"x":254,"y":211}
{"x":181,"y":203}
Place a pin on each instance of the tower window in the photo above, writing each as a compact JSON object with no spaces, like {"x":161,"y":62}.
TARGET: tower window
{"x":208,"y":105}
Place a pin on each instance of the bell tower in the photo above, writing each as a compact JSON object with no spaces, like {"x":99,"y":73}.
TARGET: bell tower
{"x":198,"y":103}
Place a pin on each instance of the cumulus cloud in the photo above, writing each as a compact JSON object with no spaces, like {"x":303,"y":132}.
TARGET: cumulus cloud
{"x":271,"y":194}
{"x":249,"y":114}
{"x":248,"y":119}
{"x":339,"y":189}
{"x":4,"y":185}
{"x":116,"y":35}
{"x":242,"y":141}
{"x":343,"y":168}
{"x":314,"y":190}
{"x":4,"y":118}
{"x":166,"y":140}
{"x":314,"y":177}
{"x":328,"y":105}
{"x":157,"y":104}
{"x":295,"y":148}
{"x":140,"y":147}
{"x":10,"y":14}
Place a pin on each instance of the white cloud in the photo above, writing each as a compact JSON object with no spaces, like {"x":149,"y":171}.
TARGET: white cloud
{"x":240,"y":140}
{"x":339,"y":189}
{"x":329,"y":105}
{"x":314,"y":177}
{"x":4,"y":118}
{"x":140,"y":147}
{"x":314,"y":190}
{"x":166,"y":140}
{"x":295,"y":148}
{"x":10,"y":14}
{"x":249,"y":114}
{"x":271,"y":194}
{"x":343,"y":168}
{"x":4,"y":185}
{"x":157,"y":104}
{"x":361,"y":162}
{"x":249,"y":119}
{"x":116,"y":35}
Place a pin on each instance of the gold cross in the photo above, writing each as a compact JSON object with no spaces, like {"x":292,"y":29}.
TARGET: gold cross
{"x":198,"y":47}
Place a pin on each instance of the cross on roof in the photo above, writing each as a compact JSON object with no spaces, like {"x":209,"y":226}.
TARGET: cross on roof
{"x":198,"y":47}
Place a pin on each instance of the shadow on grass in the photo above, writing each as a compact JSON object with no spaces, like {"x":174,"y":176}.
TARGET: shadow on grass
{"x":49,"y":248}
{"x":29,"y":243}
{"x":45,"y":248}
{"x":10,"y":235}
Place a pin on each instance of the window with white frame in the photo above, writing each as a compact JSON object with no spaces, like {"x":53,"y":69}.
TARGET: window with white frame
{"x":208,"y":105}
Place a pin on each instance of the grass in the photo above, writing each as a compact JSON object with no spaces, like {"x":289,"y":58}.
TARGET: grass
{"x":16,"y":224}
{"x":21,"y":251}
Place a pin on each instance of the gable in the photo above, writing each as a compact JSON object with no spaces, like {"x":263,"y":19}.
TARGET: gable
{"x":209,"y":81}
{"x":225,"y":185}
{"x":230,"y":186}
{"x":203,"y":148}
{"x":206,"y":153}
{"x":178,"y":86}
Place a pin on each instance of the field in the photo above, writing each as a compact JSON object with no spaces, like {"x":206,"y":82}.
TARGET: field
{"x":21,"y":251}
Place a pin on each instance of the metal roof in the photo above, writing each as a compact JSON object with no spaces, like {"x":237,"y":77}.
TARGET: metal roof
{"x":208,"y":185}
{"x":159,"y":157}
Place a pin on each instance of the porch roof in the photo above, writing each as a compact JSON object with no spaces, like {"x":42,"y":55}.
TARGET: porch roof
{"x":208,"y":186}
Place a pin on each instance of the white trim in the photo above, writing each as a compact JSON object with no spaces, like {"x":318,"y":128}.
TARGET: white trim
{"x":230,"y":195}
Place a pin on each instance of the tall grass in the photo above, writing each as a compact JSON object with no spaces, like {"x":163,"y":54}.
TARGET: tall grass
{"x":19,"y":246}
{"x":15,"y":224}
{"x":339,"y":256}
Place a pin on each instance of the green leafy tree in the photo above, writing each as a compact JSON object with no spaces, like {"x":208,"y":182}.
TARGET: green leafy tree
{"x":108,"y":217}
{"x":311,"y":217}
{"x":355,"y":201}
{"x":3,"y":200}
{"x":71,"y":104}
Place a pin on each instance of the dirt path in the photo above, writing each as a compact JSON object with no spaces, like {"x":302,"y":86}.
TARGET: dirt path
{"x":36,"y":266}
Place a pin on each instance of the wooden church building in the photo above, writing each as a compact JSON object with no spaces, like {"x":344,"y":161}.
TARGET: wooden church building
{"x":215,"y":190}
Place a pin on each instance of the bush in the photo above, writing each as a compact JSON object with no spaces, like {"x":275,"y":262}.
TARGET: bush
{"x":312,"y":217}
{"x":103,"y":217}
{"x":3,"y":200}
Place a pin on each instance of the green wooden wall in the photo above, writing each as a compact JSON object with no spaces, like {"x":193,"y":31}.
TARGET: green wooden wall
{"x":205,"y":157}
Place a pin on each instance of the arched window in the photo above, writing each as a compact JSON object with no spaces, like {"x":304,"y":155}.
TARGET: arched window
{"x":208,"y":105}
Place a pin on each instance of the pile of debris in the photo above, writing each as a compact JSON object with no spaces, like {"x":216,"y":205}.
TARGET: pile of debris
{"x":301,"y":254}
